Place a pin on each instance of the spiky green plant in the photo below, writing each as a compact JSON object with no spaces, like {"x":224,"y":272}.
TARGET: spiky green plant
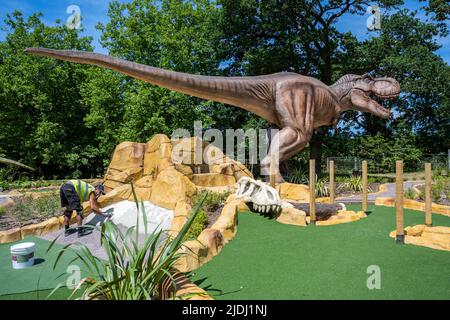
{"x":353,"y":183}
{"x":321,"y":187}
{"x":298,"y":176}
{"x":133,"y":271}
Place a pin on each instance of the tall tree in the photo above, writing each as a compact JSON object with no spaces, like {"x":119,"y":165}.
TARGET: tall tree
{"x":41,"y":117}
{"x":266,"y":36}
{"x":173,"y":34}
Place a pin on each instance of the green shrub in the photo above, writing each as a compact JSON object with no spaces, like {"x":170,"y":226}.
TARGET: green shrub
{"x":199,"y":224}
{"x":353,"y":183}
{"x":211,"y":202}
{"x":321,"y":188}
{"x":2,"y":211}
{"x":298,"y":176}
{"x":133,"y":270}
{"x":27,"y":207}
{"x":410,"y":193}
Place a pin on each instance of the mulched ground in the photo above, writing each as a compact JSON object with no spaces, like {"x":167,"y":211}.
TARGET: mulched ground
{"x":341,"y":192}
{"x":8,"y":222}
{"x":213,"y":214}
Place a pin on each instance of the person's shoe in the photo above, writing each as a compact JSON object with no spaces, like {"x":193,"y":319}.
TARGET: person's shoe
{"x":66,"y":231}
{"x":83,"y":232}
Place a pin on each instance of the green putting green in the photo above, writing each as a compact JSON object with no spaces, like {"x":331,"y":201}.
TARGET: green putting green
{"x":269,"y":260}
{"x":38,"y":281}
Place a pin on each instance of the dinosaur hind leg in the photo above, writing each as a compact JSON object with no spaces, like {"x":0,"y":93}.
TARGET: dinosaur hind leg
{"x":286,"y":143}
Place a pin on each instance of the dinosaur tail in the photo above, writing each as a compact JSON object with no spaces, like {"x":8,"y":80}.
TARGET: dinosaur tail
{"x":220,"y":89}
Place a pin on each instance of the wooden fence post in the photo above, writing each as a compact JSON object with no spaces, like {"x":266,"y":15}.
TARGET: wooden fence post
{"x":312,"y":193}
{"x":399,"y":201}
{"x":272,"y":171}
{"x":428,"y":213}
{"x":364,"y":186}
{"x":331,"y":164}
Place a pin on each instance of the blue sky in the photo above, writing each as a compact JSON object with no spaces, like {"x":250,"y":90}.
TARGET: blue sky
{"x":94,"y":11}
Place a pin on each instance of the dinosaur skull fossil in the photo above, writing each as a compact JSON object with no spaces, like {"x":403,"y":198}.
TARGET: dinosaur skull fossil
{"x":265,"y":199}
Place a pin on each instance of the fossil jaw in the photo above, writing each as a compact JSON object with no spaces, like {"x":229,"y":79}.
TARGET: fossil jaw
{"x":264,"y":198}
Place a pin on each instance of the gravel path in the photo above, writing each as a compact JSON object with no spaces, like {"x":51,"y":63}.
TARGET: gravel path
{"x":371,"y":197}
{"x":3,"y":198}
{"x":92,"y":240}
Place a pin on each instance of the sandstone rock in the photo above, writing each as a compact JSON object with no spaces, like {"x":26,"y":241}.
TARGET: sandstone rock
{"x":215,"y":157}
{"x":177,"y":224}
{"x":431,"y":237}
{"x":186,"y":290}
{"x":182,"y":208}
{"x":155,"y":142}
{"x":292,"y":216}
{"x":361,"y":214}
{"x":224,"y":168}
{"x":118,"y":194}
{"x":10,"y":235}
{"x":142,"y":194}
{"x":213,"y":240}
{"x":227,"y":222}
{"x":154,"y":163}
{"x":193,"y":254}
{"x":413,"y":205}
{"x":341,"y":217}
{"x":186,"y":170}
{"x":213,"y":180}
{"x":242,"y":206}
{"x":188,"y":151}
{"x":144,"y":182}
{"x":128,"y":155}
{"x":415,"y":230}
{"x":295,"y":192}
{"x":126,"y":164}
{"x":426,"y":242}
{"x":170,"y":187}
{"x":41,"y":228}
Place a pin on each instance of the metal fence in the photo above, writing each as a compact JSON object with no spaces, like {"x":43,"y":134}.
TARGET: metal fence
{"x":349,"y":165}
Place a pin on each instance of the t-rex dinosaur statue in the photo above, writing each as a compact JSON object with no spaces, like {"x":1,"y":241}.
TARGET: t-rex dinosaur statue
{"x":294,"y":103}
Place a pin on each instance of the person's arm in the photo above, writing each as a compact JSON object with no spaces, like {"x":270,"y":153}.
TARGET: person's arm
{"x":94,"y":204}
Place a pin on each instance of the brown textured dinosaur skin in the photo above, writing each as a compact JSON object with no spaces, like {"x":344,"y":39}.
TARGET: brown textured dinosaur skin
{"x":296,"y":104}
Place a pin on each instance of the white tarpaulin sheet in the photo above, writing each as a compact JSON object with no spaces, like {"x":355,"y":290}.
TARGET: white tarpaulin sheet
{"x":124,"y":215}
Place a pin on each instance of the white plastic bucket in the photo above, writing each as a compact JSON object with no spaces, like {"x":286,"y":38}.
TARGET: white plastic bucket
{"x":22,"y":255}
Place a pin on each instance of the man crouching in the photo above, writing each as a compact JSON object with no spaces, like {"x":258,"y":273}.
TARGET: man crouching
{"x":73,"y":193}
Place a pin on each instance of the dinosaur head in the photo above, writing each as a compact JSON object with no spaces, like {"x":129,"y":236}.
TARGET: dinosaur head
{"x":362,"y":89}
{"x":367,"y":87}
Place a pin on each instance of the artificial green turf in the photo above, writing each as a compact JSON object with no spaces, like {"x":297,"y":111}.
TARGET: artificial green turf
{"x":269,"y":260}
{"x":25,"y":283}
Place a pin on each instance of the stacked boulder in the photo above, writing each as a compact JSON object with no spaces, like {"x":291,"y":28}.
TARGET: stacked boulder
{"x":168,"y":172}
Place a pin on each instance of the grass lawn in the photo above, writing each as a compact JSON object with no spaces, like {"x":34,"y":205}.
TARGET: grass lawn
{"x":269,"y":260}
{"x":38,"y":281}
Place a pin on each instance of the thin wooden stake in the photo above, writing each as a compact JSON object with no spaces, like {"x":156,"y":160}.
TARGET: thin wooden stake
{"x":312,"y":193}
{"x":428,"y":213}
{"x":364,"y":186}
{"x":331,"y":164}
{"x":272,"y":171}
{"x":399,"y":201}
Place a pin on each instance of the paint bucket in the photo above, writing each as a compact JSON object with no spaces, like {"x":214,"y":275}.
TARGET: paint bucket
{"x":22,"y":255}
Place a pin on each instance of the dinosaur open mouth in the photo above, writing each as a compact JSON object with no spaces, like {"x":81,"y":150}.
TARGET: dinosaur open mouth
{"x":388,"y":96}
{"x":381,"y":111}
